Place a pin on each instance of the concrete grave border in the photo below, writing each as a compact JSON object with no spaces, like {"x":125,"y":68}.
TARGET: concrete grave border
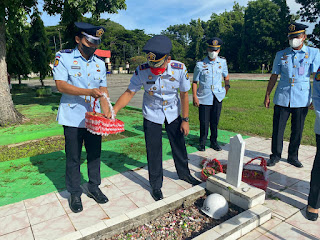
{"x":245,"y":196}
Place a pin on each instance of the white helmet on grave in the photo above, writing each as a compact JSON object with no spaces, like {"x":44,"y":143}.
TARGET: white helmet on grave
{"x":215,"y":206}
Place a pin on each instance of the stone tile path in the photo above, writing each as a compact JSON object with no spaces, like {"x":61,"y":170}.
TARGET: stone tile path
{"x":49,"y":216}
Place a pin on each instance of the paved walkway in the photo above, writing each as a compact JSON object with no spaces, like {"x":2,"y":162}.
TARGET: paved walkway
{"x":49,"y":217}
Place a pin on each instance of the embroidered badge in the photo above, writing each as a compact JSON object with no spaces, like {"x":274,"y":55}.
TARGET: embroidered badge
{"x":56,"y":62}
{"x":187,"y":76}
{"x":75,"y":62}
{"x":150,"y":77}
{"x":317,"y":77}
{"x":172,"y":79}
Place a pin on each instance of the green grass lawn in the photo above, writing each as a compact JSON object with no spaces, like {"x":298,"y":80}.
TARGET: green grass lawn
{"x":243,"y":112}
{"x":40,"y":167}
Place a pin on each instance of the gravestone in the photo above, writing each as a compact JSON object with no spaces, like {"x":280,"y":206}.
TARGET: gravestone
{"x":235,"y":160}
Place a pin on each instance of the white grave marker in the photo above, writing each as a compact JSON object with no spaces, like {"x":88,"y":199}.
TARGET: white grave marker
{"x":235,"y":160}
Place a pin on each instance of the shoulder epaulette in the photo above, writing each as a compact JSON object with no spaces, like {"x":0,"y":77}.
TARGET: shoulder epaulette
{"x":222,"y":57}
{"x":66,"y":50}
{"x":144,"y":66}
{"x":177,"y":65}
{"x":99,"y":58}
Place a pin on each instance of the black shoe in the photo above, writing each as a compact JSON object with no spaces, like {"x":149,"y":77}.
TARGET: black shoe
{"x":311,"y":216}
{"x":215,"y":146}
{"x":75,"y":204}
{"x":272,"y":162}
{"x":157,"y":194}
{"x":191,"y":180}
{"x":98,"y":196}
{"x":295,"y":163}
{"x":202,"y":148}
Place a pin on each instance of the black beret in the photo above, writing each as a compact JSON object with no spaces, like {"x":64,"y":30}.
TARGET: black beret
{"x":214,"y":43}
{"x":294,"y":29}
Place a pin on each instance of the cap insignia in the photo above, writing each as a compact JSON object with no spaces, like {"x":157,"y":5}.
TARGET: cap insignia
{"x":292,"y":27}
{"x":99,"y":32}
{"x":215,"y":42}
{"x":151,"y":56}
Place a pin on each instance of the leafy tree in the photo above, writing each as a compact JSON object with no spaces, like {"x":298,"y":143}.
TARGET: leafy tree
{"x":39,"y":47}
{"x":72,"y":11}
{"x":179,"y":33}
{"x":18,"y":59}
{"x":136,"y":61}
{"x":228,"y":26}
{"x":197,"y":45}
{"x":260,"y":41}
{"x":12,"y":15}
{"x":12,"y":12}
{"x":310,"y":11}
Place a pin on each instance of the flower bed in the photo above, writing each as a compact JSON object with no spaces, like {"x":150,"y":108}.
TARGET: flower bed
{"x":182,"y":223}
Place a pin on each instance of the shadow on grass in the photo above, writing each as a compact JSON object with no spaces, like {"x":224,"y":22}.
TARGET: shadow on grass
{"x":28,"y":97}
{"x":53,"y":166}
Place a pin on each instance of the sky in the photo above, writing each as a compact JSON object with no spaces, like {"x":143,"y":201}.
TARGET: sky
{"x":155,"y":16}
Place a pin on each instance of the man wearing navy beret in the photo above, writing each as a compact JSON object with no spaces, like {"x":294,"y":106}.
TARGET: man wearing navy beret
{"x":161,"y":79}
{"x":293,"y":93}
{"x":81,"y":77}
{"x":208,"y":97}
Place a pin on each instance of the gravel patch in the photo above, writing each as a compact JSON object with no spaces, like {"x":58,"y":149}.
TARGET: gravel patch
{"x":185,"y":222}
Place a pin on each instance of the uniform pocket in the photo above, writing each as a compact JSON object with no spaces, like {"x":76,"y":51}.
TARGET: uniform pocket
{"x":98,"y":77}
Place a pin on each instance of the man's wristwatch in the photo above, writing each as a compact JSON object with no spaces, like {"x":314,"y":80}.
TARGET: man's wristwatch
{"x":228,"y":85}
{"x":186,"y":119}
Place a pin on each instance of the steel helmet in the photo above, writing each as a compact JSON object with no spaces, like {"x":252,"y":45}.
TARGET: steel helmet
{"x":215,"y":206}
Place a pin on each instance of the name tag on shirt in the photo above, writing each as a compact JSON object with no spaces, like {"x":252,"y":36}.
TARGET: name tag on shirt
{"x":75,"y":67}
{"x":301,"y":70}
{"x":151,"y":82}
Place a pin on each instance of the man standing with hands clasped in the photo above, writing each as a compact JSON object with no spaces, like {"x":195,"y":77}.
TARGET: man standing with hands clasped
{"x":208,"y":97}
{"x":161,"y":78}
{"x":293,"y":93}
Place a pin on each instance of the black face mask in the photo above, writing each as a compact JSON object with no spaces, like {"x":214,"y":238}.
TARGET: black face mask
{"x":89,"y":51}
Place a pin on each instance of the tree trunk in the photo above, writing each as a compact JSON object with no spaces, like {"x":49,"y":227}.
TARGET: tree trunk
{"x":8,"y":114}
{"x":19,"y":77}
